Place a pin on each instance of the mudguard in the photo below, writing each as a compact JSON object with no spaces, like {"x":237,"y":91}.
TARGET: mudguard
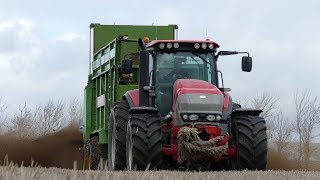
{"x":246,"y":111}
{"x":132,"y":97}
{"x":143,"y":110}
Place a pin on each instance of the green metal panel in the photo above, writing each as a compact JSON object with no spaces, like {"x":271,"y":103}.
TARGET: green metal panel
{"x":88,"y":109}
{"x":103,"y":87}
{"x":122,"y":89}
{"x":103,"y":34}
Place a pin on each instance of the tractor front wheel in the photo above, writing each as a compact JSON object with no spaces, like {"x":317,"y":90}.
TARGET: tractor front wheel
{"x":144,"y":142}
{"x":249,"y":133}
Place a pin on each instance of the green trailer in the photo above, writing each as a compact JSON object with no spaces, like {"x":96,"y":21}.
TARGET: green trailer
{"x":109,"y":45}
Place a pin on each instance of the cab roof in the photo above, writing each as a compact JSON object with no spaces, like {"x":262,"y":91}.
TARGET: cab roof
{"x":155,"y":42}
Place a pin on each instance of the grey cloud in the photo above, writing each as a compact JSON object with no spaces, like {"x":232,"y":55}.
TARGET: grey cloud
{"x":7,"y":42}
{"x":42,"y":70}
{"x":19,"y":43}
{"x":282,"y":37}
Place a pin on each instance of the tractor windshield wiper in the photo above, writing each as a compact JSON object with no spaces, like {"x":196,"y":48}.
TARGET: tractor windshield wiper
{"x":198,"y":55}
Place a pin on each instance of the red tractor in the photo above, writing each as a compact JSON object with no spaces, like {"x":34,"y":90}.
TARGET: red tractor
{"x":181,"y":117}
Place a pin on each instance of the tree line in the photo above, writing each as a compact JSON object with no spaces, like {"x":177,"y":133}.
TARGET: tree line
{"x":292,"y":134}
{"x":43,"y":119}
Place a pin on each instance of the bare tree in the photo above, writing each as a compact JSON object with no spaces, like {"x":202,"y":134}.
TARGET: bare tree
{"x":268,"y":104}
{"x":49,"y":117}
{"x":3,"y":115}
{"x":75,"y":111}
{"x":3,"y":108}
{"x":244,"y":102}
{"x":22,"y":125}
{"x":307,"y":119}
{"x":282,"y":132}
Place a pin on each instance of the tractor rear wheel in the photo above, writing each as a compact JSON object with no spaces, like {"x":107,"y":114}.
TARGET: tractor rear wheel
{"x":144,"y":142}
{"x":249,"y":133}
{"x":117,"y":129}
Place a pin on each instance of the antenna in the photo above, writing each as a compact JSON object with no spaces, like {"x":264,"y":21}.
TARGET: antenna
{"x":176,"y":34}
{"x":175,"y":27}
{"x":156,"y":32}
{"x":156,"y":29}
{"x":206,"y":33}
{"x":115,"y":18}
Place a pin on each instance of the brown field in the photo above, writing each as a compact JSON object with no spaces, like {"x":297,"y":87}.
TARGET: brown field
{"x":60,"y":150}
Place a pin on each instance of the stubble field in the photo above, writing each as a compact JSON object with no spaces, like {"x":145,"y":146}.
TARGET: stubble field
{"x":13,"y":173}
{"x":56,"y":156}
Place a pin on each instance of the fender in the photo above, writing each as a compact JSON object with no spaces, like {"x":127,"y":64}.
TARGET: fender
{"x":132,"y":97}
{"x":143,"y":110}
{"x":246,"y":111}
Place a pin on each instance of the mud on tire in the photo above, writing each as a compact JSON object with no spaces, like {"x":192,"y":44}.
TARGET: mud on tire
{"x":94,"y":153}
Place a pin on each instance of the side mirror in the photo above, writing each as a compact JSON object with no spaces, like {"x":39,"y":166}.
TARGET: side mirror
{"x":246,"y":63}
{"x":126,"y":66}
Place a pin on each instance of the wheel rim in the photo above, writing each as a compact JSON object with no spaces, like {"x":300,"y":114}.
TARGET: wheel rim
{"x":129,"y":147}
{"x":112,"y":153}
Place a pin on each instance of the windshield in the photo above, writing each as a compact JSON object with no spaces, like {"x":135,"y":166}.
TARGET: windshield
{"x":180,"y":65}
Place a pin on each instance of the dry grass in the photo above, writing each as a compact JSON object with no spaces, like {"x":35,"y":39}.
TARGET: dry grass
{"x":14,"y":172}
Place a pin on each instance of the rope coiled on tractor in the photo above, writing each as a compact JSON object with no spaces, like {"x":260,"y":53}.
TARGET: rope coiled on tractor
{"x":191,"y":146}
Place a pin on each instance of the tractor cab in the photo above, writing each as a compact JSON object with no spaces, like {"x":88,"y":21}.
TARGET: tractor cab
{"x":170,"y":60}
{"x":163,"y":62}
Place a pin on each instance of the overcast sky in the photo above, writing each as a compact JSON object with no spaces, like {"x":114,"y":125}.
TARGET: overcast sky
{"x":44,"y":45}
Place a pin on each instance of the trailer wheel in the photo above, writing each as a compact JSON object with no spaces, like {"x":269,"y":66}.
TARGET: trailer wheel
{"x":251,"y":140}
{"x":117,"y":129}
{"x":93,"y":154}
{"x":144,"y":142}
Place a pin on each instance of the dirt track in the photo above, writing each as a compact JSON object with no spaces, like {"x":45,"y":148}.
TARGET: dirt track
{"x":61,"y":150}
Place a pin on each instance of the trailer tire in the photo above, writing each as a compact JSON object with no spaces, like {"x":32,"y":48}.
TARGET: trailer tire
{"x":117,"y":129}
{"x":251,"y":140}
{"x":144,"y":142}
{"x":93,"y":154}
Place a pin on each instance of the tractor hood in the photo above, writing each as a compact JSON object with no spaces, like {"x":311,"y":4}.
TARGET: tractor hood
{"x":199,"y":97}
{"x":193,"y":86}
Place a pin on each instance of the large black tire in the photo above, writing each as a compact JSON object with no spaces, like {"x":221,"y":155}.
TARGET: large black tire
{"x":93,"y":154}
{"x":117,"y":129}
{"x":144,"y":142}
{"x":249,"y":133}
